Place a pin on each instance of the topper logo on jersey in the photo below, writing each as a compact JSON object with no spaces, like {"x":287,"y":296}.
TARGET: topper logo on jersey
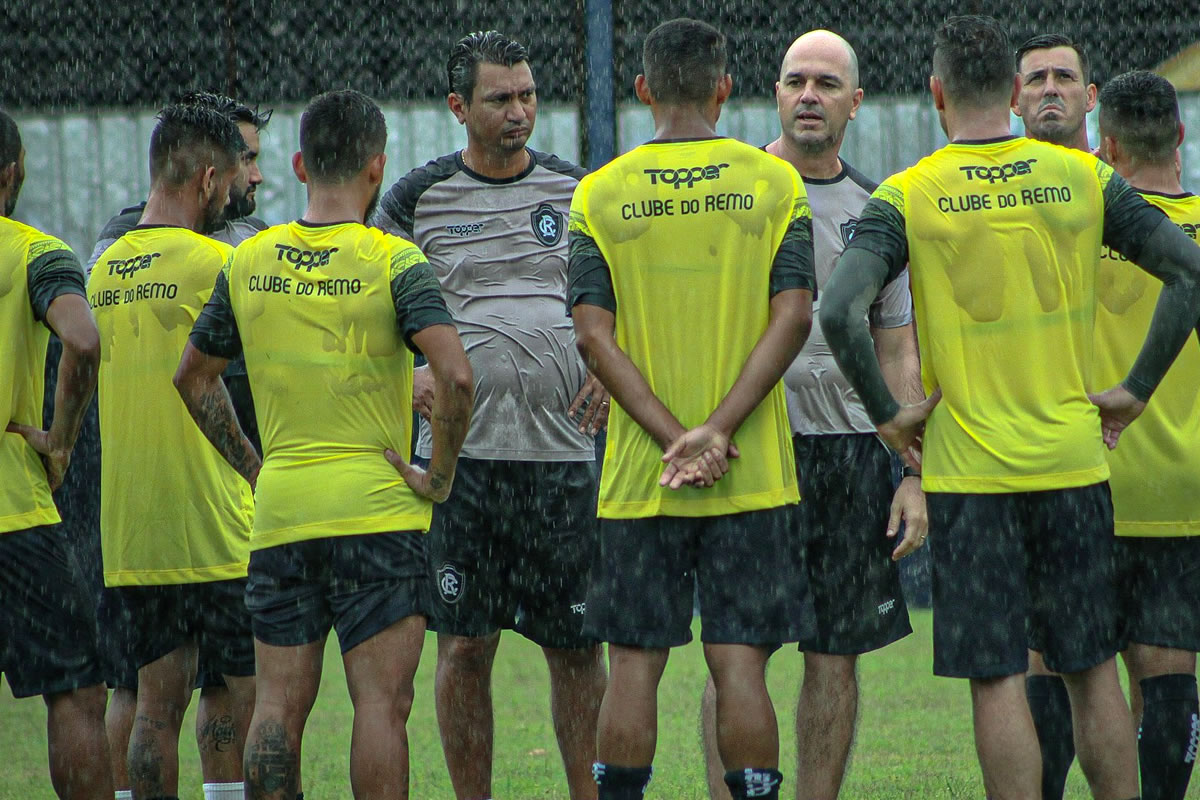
{"x":547,"y":222}
{"x":304,"y":258}
{"x":1001,"y":172}
{"x":128,"y":266}
{"x":688,"y":176}
{"x":464,"y":230}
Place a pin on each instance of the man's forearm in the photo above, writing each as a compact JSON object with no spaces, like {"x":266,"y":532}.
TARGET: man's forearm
{"x":76,"y":384}
{"x":449,"y":422}
{"x":896,"y":349}
{"x":208,"y":402}
{"x":855,"y":282}
{"x":628,"y":386}
{"x":778,"y":346}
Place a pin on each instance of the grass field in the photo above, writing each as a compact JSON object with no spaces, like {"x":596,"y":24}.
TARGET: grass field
{"x":914,"y":738}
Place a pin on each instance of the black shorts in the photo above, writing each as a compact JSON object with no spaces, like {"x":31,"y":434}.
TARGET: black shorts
{"x":846,"y":489}
{"x":747,"y":568}
{"x":1022,"y":570}
{"x":1159,"y":584}
{"x":48,"y":634}
{"x":358,"y":585}
{"x":512,"y":548}
{"x":144,"y":623}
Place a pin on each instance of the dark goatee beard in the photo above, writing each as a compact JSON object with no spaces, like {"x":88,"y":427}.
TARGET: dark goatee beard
{"x":241,"y":204}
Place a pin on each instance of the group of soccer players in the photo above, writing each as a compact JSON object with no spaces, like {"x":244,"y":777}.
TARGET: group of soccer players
{"x":259,"y":487}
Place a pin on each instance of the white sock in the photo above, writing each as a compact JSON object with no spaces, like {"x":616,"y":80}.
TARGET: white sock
{"x":223,"y":791}
{"x":124,"y":794}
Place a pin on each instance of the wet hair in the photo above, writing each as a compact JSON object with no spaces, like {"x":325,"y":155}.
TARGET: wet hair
{"x":192,"y":137}
{"x":1140,"y":110}
{"x":238,"y":112}
{"x":971,"y":57}
{"x":339,"y":133}
{"x":10,"y":140}
{"x":1045,"y":41}
{"x":683,"y":60}
{"x":481,"y":47}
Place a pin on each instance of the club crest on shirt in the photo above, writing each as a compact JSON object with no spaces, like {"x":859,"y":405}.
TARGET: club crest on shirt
{"x":450,"y":583}
{"x":847,"y":229}
{"x":547,"y":222}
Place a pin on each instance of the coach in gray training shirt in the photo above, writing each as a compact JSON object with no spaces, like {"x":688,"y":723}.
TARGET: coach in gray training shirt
{"x":512,"y":545}
{"x":849,"y":514}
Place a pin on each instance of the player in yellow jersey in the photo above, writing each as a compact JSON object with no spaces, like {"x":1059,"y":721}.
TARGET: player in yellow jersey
{"x":691,"y":286}
{"x":174,"y":517}
{"x":48,"y":643}
{"x":326,"y":312}
{"x":1002,"y":236}
{"x":1156,"y":469}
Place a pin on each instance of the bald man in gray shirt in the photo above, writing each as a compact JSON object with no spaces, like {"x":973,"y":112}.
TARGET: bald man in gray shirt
{"x":513,"y":544}
{"x":849,"y":515}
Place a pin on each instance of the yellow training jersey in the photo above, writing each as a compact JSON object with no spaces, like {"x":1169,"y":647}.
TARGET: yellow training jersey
{"x":171,"y":509}
{"x":318,"y":312}
{"x":34,"y":268}
{"x":1156,"y":465}
{"x":696,"y":235}
{"x":1002,"y":240}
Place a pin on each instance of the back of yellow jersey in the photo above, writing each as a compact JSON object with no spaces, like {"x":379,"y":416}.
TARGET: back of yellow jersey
{"x":690,"y":231}
{"x":25,"y":500}
{"x":1156,"y":466}
{"x":172,"y":510}
{"x":1003,"y":240}
{"x":331,"y":378}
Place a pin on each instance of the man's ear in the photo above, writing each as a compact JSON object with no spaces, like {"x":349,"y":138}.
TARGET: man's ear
{"x":642,"y":89}
{"x":298,"y":167}
{"x":936,"y":89}
{"x":458,"y":106}
{"x":724,"y":88}
{"x":375,"y":168}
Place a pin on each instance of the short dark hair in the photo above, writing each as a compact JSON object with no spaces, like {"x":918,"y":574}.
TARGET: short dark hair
{"x":481,"y":47}
{"x":1140,"y":110}
{"x":971,"y":57}
{"x":238,"y":112}
{"x":683,"y":60}
{"x":340,"y":132}
{"x":10,"y":140}
{"x":1045,"y":41}
{"x":190,"y":137}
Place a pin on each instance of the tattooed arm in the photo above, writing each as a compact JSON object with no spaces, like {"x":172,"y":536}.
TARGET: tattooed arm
{"x":199,"y":383}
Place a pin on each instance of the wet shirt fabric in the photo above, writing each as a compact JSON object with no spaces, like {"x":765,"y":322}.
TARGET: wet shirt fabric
{"x":1156,"y":467}
{"x":499,"y":248}
{"x":686,"y":242}
{"x":820,"y":399}
{"x":1002,"y":238}
{"x":323,"y":314}
{"x":35,"y":268}
{"x":171,"y":509}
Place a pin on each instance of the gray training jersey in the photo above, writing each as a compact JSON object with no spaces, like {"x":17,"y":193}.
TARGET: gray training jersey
{"x":820,"y":399}
{"x":499,"y":248}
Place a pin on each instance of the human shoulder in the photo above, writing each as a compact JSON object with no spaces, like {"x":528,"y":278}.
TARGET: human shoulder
{"x":399,"y":204}
{"x":559,"y":165}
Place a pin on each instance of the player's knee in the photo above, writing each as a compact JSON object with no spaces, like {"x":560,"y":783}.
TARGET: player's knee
{"x":472,"y":654}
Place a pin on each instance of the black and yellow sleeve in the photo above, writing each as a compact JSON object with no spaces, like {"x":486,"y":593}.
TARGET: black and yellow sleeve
{"x":215,"y":332}
{"x":52,"y":271}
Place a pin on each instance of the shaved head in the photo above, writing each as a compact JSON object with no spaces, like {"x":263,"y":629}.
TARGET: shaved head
{"x":827,"y":47}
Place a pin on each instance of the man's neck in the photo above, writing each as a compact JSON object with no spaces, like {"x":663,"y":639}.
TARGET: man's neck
{"x":1159,"y":178}
{"x":335,"y":203}
{"x":495,"y":164}
{"x":821,"y":166}
{"x":682,"y":122}
{"x":971,"y":124}
{"x":173,"y":208}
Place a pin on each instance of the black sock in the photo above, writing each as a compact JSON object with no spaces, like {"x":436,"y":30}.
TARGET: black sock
{"x":753,"y":783}
{"x":1051,"y":708}
{"x":300,"y":796}
{"x":621,"y":783}
{"x":1169,"y":735}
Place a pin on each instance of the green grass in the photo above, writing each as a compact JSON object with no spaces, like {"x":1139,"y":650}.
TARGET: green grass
{"x":914,"y":735}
